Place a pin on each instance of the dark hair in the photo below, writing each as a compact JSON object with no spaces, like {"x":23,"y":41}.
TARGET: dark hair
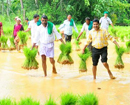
{"x":27,"y":19}
{"x":96,"y":20}
{"x":44,"y":17}
{"x":87,"y":18}
{"x":35,"y":16}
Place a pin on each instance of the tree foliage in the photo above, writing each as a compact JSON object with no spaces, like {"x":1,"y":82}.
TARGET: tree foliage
{"x":57,"y":10}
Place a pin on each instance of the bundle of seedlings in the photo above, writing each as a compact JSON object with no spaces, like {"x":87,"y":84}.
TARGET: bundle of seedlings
{"x":12,"y":44}
{"x":50,"y":102}
{"x":122,"y":37}
{"x":7,"y":101}
{"x":30,"y":61}
{"x":23,"y":39}
{"x":4,"y":45}
{"x":128,"y":46}
{"x":88,"y":99}
{"x":77,"y":42}
{"x":83,"y":58}
{"x":28,"y":101}
{"x":68,"y":99}
{"x":119,"y":62}
{"x":65,"y":57}
{"x":114,"y":33}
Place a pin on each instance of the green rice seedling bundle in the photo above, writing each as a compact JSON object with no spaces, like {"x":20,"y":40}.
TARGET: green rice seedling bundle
{"x":77,"y":42}
{"x":7,"y":101}
{"x":88,"y":99}
{"x":4,"y":45}
{"x":65,"y":57}
{"x":23,"y":38}
{"x":8,"y":30}
{"x":12,"y":44}
{"x":68,"y":99}
{"x":128,"y":46}
{"x":30,"y":61}
{"x":28,"y":101}
{"x":83,"y":58}
{"x":75,"y":35}
{"x":114,"y":33}
{"x":122,"y":37}
{"x":50,"y":102}
{"x":119,"y":62}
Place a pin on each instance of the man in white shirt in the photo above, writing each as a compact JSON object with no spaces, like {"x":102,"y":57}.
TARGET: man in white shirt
{"x":46,"y":36}
{"x":105,"y":21}
{"x":33,"y":27}
{"x":67,"y":25}
{"x":87,"y":26}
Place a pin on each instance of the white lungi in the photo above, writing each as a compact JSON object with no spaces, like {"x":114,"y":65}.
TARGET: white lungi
{"x":47,"y":49}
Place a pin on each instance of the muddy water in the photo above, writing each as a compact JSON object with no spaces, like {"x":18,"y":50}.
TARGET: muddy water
{"x":16,"y":82}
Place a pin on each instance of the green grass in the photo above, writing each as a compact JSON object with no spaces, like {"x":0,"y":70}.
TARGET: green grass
{"x":68,"y":99}
{"x":7,"y":101}
{"x":88,"y":99}
{"x":28,"y":101}
{"x":65,"y":99}
{"x":50,"y":101}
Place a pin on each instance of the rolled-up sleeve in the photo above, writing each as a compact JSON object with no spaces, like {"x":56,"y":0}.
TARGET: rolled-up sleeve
{"x":110,"y":22}
{"x":83,"y":28}
{"x":75,"y":28}
{"x":56,"y":32}
{"x":89,"y":39}
{"x":62,"y":26}
{"x":100,"y":21}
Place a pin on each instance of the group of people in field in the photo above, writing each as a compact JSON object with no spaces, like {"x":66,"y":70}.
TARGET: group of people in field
{"x":43,"y":34}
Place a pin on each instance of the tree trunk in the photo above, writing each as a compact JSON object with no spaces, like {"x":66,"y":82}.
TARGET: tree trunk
{"x":61,"y":5}
{"x":2,"y":7}
{"x":36,"y":2}
{"x":7,"y":7}
{"x":22,"y":9}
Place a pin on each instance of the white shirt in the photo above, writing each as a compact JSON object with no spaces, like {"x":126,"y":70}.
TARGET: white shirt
{"x":68,"y":28}
{"x":85,"y":28}
{"x":105,"y":22}
{"x":43,"y":37}
{"x":33,"y":27}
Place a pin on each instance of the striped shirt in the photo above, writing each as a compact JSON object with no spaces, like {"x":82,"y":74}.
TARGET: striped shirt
{"x":99,"y":38}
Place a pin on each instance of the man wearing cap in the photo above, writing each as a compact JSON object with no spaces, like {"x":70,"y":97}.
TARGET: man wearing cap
{"x":87,"y":26}
{"x":67,"y":25}
{"x":46,"y":36}
{"x":33,"y":27}
{"x":105,"y":21}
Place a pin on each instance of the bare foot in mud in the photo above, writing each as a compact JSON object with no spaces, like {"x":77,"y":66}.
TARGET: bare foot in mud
{"x":45,"y":75}
{"x":54,"y":70}
{"x":112,"y":77}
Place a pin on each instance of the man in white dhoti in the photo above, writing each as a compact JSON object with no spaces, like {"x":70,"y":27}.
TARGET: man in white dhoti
{"x":46,"y":36}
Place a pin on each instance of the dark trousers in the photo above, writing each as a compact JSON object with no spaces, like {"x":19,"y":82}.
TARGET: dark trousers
{"x":68,"y":38}
{"x":96,"y":53}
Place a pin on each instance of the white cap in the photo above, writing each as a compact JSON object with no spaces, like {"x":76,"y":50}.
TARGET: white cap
{"x":18,"y":19}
